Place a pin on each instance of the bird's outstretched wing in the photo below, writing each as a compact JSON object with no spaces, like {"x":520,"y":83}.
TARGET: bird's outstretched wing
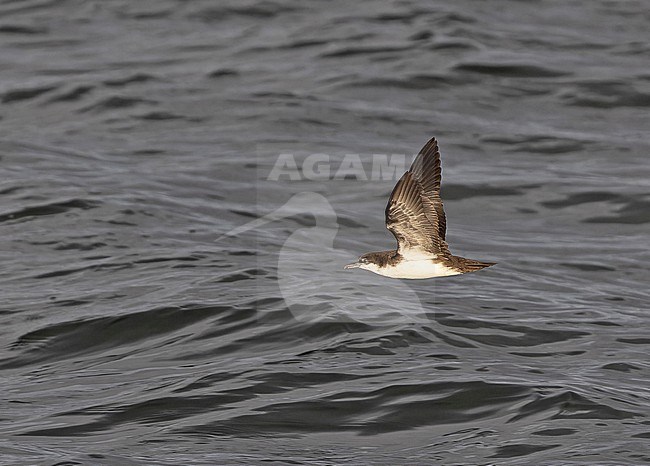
{"x":414,"y":214}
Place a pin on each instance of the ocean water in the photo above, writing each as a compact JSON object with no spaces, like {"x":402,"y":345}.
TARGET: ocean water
{"x":166,"y":299}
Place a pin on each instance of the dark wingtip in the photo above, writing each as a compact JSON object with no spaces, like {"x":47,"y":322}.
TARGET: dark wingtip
{"x":430,"y":146}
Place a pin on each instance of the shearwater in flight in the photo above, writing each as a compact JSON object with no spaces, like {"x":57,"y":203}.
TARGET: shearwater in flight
{"x":415,"y":216}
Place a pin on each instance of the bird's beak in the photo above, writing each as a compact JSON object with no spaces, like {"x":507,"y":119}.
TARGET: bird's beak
{"x":354,"y":265}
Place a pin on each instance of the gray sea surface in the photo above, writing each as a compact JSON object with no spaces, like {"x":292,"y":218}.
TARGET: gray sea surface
{"x":137,"y":329}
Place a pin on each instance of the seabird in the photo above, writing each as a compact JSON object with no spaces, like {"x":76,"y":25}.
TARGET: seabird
{"x":415,"y":216}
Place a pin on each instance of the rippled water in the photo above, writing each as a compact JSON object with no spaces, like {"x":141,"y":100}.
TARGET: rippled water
{"x":134,"y":135}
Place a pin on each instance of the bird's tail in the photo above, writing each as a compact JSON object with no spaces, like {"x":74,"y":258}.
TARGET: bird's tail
{"x":473,"y":265}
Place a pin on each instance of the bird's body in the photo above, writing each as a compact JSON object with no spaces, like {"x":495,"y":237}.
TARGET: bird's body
{"x":416,"y":217}
{"x":396,"y":267}
{"x":392,"y":264}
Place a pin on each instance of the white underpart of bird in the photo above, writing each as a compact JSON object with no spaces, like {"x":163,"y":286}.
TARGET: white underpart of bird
{"x":412,"y":269}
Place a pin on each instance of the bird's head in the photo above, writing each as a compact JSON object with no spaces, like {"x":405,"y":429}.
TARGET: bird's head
{"x":367,"y":261}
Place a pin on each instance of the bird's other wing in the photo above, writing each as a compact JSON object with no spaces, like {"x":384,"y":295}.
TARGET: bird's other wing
{"x":427,"y":172}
